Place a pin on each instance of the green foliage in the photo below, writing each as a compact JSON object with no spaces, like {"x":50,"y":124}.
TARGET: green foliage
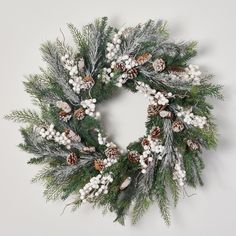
{"x":154,"y":121}
{"x":174,"y":188}
{"x":207,"y":89}
{"x":108,"y":90}
{"x":52,"y":85}
{"x":160,"y":194}
{"x":25,"y":116}
{"x":193,"y":165}
{"x":91,"y":43}
{"x":141,"y":206}
{"x":181,"y":53}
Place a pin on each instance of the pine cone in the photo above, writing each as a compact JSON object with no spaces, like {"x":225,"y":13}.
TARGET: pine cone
{"x":177,"y":126}
{"x":64,"y":116}
{"x":89,"y":81}
{"x":133,"y":156}
{"x":159,"y":65}
{"x":72,"y":159}
{"x":99,"y":164}
{"x":132,"y":73}
{"x":79,"y":113}
{"x":72,"y":136}
{"x":64,"y":106}
{"x":142,"y":59}
{"x":112,"y":152}
{"x":153,"y":110}
{"x":67,"y":131}
{"x":193,"y":146}
{"x":155,"y":132}
{"x":120,"y":66}
{"x":145,"y":142}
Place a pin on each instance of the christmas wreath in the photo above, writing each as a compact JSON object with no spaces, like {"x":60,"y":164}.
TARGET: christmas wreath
{"x":67,"y":137}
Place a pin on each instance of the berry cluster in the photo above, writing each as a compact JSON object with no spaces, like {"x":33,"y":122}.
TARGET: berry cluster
{"x":69,"y":64}
{"x":127,"y":63}
{"x":151,"y":147}
{"x":97,"y":185}
{"x":179,"y":174}
{"x":109,"y":162}
{"x":74,"y":67}
{"x":89,"y":105}
{"x":192,"y":74}
{"x":77,"y":83}
{"x":121,"y":80}
{"x":106,"y":74}
{"x":154,"y":97}
{"x":101,"y":140}
{"x":191,"y":119}
{"x":111,"y":151}
{"x":114,"y":47}
{"x":51,"y":134}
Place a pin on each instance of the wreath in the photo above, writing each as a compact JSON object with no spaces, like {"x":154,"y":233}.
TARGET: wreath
{"x":67,"y":137}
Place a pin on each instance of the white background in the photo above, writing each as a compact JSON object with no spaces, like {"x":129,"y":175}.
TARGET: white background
{"x":24,"y":25}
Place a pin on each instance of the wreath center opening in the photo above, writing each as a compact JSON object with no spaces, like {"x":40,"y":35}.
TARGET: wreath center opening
{"x":124,"y":117}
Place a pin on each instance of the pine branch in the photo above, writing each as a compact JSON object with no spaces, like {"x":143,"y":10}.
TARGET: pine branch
{"x":91,"y":43}
{"x":176,"y":54}
{"x":174,"y":188}
{"x":25,"y":116}
{"x":141,"y":206}
{"x":143,"y":38}
{"x":207,"y":89}
{"x":61,"y":181}
{"x":57,"y":72}
{"x":160,"y":195}
{"x":199,"y":166}
{"x":33,"y":143}
{"x":42,"y":90}
{"x":77,"y":36}
{"x":193,"y":166}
